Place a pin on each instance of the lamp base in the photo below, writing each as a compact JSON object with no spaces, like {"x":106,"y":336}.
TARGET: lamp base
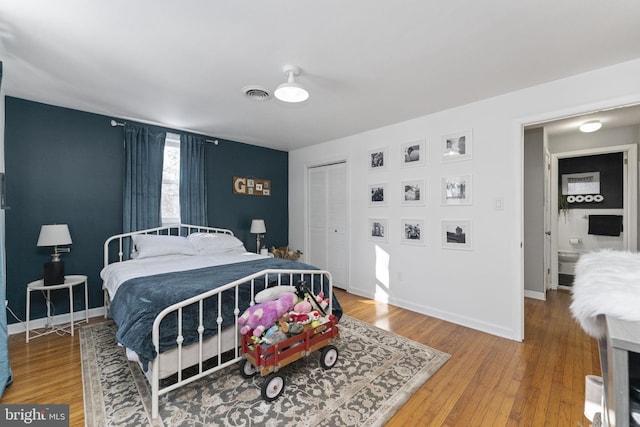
{"x":54,"y":273}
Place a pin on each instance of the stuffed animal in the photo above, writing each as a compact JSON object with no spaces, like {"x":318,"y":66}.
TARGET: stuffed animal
{"x":273,"y":335}
{"x":303,"y":312}
{"x":261,"y":317}
{"x":322,"y":301}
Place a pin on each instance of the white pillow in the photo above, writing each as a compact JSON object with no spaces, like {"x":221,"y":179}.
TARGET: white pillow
{"x":215,"y":243}
{"x":150,"y":245}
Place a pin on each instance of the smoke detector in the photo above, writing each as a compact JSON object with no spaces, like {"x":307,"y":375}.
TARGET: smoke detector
{"x":256,"y":93}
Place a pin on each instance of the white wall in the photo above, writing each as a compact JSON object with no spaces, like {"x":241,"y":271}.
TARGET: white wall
{"x":482,"y":288}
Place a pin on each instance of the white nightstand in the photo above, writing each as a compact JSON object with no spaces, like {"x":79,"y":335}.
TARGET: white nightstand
{"x":69,"y":283}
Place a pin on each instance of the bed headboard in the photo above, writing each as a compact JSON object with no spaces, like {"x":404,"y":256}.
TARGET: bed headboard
{"x":114,"y":245}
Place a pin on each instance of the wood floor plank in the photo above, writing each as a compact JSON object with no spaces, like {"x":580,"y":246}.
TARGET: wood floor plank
{"x":489,"y":381}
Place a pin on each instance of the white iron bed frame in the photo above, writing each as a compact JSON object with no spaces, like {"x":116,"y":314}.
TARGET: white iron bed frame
{"x":172,"y":362}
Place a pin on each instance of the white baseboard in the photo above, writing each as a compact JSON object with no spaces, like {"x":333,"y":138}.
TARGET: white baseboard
{"x":61,"y":319}
{"x":443,"y":315}
{"x":535,"y":295}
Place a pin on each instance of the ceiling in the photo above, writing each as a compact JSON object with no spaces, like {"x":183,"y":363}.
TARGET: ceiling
{"x":367,"y":64}
{"x":610,"y":118}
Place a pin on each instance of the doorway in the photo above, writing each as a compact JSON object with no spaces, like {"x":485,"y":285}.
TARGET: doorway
{"x":612,"y":173}
{"x":559,"y":139}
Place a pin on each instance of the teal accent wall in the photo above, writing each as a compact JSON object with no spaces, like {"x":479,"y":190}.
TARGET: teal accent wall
{"x":66,"y":166}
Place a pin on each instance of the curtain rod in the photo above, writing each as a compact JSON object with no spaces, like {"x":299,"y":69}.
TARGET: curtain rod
{"x":115,"y":123}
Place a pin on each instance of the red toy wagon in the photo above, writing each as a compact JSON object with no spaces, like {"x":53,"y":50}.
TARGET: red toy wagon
{"x":267,"y":360}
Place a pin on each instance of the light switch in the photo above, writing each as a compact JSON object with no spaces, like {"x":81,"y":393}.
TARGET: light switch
{"x":498,"y":203}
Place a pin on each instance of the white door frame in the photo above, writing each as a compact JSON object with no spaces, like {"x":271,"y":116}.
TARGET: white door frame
{"x":308,"y":167}
{"x":630,"y":197}
{"x":518,"y":125}
{"x":548,"y":231}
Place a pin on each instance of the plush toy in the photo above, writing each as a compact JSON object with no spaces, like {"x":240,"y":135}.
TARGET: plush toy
{"x":273,"y":293}
{"x":261,"y":317}
{"x":273,"y":335}
{"x":301,"y":310}
{"x":304,"y":313}
{"x":303,"y":306}
{"x":295,"y":328}
{"x":322,"y":301}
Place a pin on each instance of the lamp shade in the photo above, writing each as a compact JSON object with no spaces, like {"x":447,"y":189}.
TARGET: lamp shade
{"x":291,"y":92}
{"x":54,"y":235}
{"x":258,"y":227}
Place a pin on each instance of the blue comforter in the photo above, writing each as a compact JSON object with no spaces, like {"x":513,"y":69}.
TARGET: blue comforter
{"x":138,"y":301}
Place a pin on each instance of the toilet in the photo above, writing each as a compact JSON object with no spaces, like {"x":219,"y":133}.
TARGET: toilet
{"x":568,"y":256}
{"x":567,"y":260}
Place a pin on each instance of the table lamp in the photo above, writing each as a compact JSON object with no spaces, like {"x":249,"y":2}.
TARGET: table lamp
{"x":54,"y":235}
{"x":258,"y":228}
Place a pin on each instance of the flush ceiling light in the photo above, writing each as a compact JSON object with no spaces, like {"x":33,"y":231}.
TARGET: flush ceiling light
{"x":590,"y":126}
{"x":291,"y":91}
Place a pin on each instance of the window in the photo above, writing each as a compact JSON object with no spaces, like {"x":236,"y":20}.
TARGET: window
{"x":170,"y":198}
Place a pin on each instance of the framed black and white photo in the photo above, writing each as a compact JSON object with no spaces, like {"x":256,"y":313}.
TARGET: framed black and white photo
{"x":378,"y":229}
{"x":412,"y":193}
{"x":412,"y":231}
{"x":378,"y":159}
{"x":456,"y":146}
{"x":413,"y":154}
{"x":456,"y":234}
{"x":378,"y":194}
{"x":456,"y":190}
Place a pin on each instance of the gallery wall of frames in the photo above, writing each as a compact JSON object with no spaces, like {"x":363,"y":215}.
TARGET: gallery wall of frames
{"x":454,"y":190}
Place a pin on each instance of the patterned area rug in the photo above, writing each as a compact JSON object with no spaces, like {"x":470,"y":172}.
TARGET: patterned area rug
{"x":376,"y":373}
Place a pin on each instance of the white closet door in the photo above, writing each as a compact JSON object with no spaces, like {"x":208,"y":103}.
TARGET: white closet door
{"x":337,"y":223}
{"x":328,"y":246}
{"x":318,"y":218}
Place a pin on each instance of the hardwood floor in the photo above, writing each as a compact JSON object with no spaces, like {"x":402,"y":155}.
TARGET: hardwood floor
{"x":488,"y":381}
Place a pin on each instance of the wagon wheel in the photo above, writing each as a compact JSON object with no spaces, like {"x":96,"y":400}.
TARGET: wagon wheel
{"x":328,"y":356}
{"x":247,"y":370}
{"x":272,"y":387}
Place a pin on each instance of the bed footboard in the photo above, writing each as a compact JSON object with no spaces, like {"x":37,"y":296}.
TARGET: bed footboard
{"x":317,"y":279}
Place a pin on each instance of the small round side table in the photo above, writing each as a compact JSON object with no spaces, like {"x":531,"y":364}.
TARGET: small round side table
{"x":69,"y":283}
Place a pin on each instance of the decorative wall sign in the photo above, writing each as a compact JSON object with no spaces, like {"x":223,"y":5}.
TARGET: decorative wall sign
{"x":251,"y":186}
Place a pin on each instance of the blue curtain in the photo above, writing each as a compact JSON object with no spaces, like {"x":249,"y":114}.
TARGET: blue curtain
{"x":144,"y":155}
{"x":5,"y":370}
{"x":193,"y":192}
